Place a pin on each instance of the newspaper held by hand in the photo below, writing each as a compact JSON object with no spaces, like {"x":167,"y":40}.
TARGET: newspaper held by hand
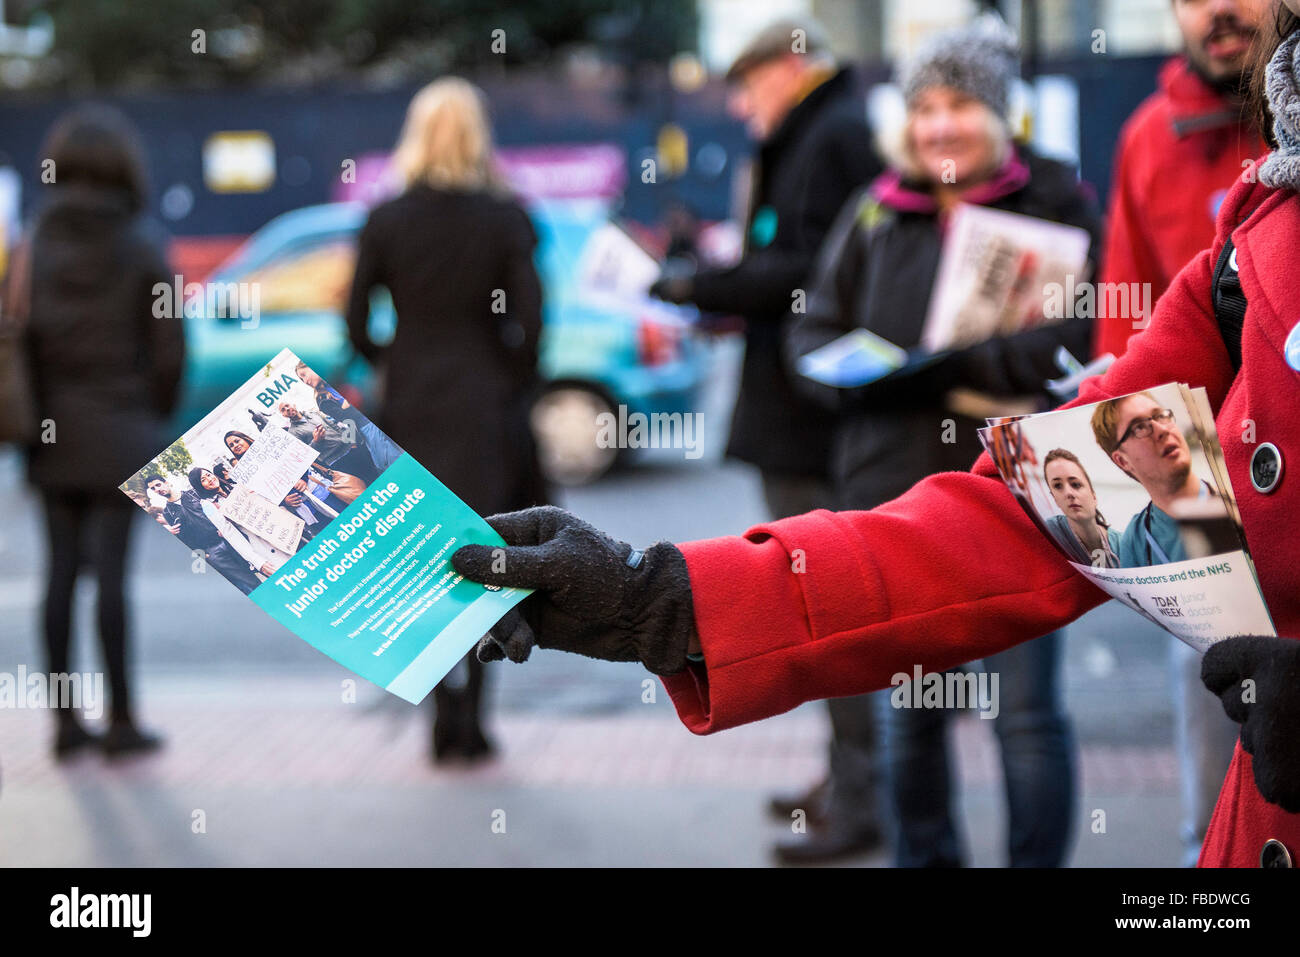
{"x":993,"y":280}
{"x":1134,"y":493}
{"x":994,"y":274}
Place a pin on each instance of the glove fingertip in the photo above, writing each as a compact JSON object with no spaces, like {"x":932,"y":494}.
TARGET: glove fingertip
{"x":469,"y":559}
{"x":488,"y":650}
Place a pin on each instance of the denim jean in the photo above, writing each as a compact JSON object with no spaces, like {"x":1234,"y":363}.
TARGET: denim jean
{"x":1205,"y":738}
{"x":1038,"y":764}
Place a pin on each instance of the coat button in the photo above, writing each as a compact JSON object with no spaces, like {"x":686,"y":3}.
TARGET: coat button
{"x":1266,"y":468}
{"x":1274,"y":854}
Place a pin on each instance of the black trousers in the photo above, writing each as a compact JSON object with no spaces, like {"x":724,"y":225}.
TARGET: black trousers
{"x":83,"y":527}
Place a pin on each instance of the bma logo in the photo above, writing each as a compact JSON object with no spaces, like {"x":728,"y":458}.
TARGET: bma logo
{"x":276,"y":389}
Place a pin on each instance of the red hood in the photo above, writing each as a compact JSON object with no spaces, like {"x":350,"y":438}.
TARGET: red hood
{"x":891,"y":190}
{"x":1194,"y":105}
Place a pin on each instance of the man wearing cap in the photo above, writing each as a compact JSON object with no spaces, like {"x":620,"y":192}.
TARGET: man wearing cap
{"x":815,"y":149}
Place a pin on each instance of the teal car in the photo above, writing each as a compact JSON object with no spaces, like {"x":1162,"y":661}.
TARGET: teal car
{"x":287,"y":285}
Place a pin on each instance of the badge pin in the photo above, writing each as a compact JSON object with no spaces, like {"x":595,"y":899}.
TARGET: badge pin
{"x":1266,"y":468}
{"x":1291,"y":348}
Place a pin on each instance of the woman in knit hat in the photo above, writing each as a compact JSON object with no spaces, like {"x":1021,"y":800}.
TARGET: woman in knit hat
{"x":877,"y":272}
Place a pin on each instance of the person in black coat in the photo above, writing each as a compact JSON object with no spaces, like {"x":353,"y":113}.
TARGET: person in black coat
{"x":877,"y":272}
{"x":456,"y":253}
{"x":106,"y":373}
{"x":815,"y":150}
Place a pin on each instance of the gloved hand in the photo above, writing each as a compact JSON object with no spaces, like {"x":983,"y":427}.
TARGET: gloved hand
{"x":594,"y":596}
{"x":1268,"y":709}
{"x":675,"y":289}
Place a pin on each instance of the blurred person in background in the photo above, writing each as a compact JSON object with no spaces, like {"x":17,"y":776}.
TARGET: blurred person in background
{"x":877,"y":271}
{"x":1178,"y":155}
{"x":106,"y":377}
{"x":815,"y":148}
{"x":455,"y":250}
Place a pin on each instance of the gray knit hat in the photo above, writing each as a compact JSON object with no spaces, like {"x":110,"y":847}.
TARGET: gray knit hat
{"x":979,"y":59}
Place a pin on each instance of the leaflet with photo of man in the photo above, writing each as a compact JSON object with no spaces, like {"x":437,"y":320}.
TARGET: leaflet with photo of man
{"x":1134,"y":493}
{"x":299,"y":501}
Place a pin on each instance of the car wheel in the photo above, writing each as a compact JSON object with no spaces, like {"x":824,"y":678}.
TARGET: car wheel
{"x":566,"y":425}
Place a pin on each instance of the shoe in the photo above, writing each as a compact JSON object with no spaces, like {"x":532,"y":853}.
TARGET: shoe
{"x":123,"y":739}
{"x":443,"y":747}
{"x":812,"y":802}
{"x":828,"y":844}
{"x":475,"y":746}
{"x":454,"y":741}
{"x":71,"y":738}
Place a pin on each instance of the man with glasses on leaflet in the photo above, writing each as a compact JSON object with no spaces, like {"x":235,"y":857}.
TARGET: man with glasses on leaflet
{"x":1144,"y":440}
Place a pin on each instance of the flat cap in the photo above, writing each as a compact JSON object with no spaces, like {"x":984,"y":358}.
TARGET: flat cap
{"x":804,"y":36}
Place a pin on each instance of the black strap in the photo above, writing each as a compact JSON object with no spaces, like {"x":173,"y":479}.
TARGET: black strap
{"x":1229,"y":302}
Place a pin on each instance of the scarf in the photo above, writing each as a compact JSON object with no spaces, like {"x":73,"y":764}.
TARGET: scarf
{"x":1282,"y":168}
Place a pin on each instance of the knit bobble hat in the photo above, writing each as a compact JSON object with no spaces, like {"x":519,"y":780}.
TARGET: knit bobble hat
{"x":979,"y":59}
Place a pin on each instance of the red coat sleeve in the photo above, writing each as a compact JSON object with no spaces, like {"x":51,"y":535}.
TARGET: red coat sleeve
{"x":1127,"y":257}
{"x":830,"y":604}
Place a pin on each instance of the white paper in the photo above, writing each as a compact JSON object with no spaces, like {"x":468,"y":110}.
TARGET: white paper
{"x":613,"y":266}
{"x":994,"y":272}
{"x":264,"y":518}
{"x":274,"y":463}
{"x":1201,"y":601}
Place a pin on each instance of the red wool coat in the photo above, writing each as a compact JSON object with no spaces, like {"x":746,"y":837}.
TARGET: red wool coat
{"x":830,"y":604}
{"x":1178,"y":155}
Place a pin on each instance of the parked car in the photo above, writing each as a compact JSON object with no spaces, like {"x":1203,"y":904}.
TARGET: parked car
{"x":295,"y":271}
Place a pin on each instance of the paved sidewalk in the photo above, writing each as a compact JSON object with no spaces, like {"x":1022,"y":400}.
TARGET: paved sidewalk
{"x":285,"y":773}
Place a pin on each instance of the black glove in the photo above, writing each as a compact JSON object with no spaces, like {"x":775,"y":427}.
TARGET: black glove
{"x":594,"y":596}
{"x":674,"y":289}
{"x":1267,"y":710}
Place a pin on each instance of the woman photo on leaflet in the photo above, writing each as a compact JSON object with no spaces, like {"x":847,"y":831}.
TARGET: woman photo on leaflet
{"x":1082,"y":532}
{"x":257,"y":551}
{"x":314,"y":482}
{"x":739,"y":631}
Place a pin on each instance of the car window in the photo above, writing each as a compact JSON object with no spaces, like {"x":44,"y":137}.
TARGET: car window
{"x":308,"y":277}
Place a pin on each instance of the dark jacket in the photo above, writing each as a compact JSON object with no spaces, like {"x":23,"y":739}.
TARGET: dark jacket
{"x":197,"y":530}
{"x":877,"y":272}
{"x":458,"y":376}
{"x":803,"y":174}
{"x":106,"y":369}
